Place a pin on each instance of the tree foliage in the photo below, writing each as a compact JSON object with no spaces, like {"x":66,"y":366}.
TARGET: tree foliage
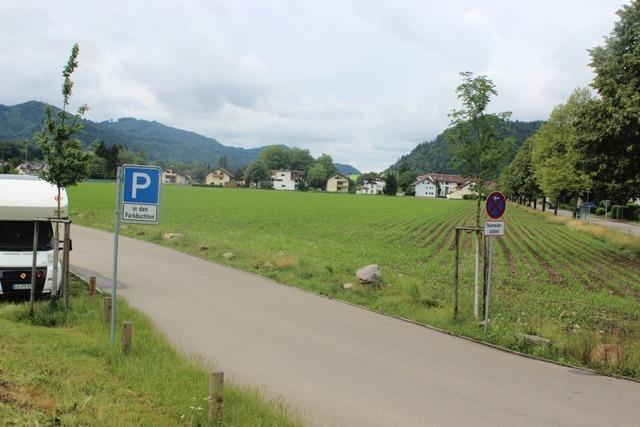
{"x":300,"y":159}
{"x":317,"y":176}
{"x":405,"y":179}
{"x":391,"y":184}
{"x":66,"y":161}
{"x":518,"y":180}
{"x":555,"y":153}
{"x":609,"y":126}
{"x":275,"y":157}
{"x":257,"y":173}
{"x":477,"y":147}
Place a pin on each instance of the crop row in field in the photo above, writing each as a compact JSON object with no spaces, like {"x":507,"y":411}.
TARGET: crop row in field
{"x":549,"y":279}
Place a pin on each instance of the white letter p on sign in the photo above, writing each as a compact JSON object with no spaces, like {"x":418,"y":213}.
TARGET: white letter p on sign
{"x":137,"y":185}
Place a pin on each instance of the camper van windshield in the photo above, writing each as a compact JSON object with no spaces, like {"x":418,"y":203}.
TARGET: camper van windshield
{"x":18,"y":236}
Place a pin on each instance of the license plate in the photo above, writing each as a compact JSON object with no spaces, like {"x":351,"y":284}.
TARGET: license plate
{"x":18,"y":286}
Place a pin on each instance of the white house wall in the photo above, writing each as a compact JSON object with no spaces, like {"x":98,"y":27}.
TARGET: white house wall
{"x":425,"y":189}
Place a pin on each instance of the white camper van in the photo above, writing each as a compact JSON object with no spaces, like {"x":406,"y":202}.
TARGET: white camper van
{"x":23,"y":198}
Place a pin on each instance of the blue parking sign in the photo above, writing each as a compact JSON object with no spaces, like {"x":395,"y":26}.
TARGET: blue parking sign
{"x":140,"y":194}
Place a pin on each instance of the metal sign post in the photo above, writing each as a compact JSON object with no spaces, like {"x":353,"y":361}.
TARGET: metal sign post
{"x":137,"y":202}
{"x":116,"y":232}
{"x":495,"y":206}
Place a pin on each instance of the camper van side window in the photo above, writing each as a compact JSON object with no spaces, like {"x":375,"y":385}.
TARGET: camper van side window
{"x":18,"y":236}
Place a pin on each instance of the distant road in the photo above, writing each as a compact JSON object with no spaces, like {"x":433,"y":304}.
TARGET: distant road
{"x":626,"y":227}
{"x":344,"y":366}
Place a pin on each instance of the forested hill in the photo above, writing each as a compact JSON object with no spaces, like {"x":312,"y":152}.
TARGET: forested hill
{"x":157,"y":141}
{"x":346,"y":170}
{"x":167,"y":143}
{"x":433,"y":156}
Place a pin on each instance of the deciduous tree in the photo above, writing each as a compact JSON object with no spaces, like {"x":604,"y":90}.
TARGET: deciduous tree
{"x":609,"y":126}
{"x":555,"y":154}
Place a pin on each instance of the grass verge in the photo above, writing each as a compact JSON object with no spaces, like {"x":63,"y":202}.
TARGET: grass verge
{"x":616,"y":239}
{"x":63,"y":371}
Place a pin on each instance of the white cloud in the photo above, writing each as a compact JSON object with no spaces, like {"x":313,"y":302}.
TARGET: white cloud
{"x":363,"y":81}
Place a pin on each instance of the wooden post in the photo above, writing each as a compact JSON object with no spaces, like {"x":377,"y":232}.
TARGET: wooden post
{"x":216,"y":396}
{"x":32,"y":296}
{"x":127,"y":328}
{"x":107,"y":310}
{"x":456,"y":284}
{"x":92,"y":286}
{"x":65,"y":265}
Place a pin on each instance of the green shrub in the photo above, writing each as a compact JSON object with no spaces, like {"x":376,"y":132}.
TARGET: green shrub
{"x":615,"y":211}
{"x":45,"y":313}
{"x":600,"y":211}
{"x":623,"y":212}
{"x":633,"y":212}
{"x":470,"y":196}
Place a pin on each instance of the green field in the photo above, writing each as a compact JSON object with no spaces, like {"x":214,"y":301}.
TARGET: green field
{"x":574,"y":288}
{"x":68,"y":373}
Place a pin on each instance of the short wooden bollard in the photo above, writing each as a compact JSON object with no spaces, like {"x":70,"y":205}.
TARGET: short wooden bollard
{"x":107,"y":310}
{"x":92,"y":286}
{"x":216,"y":396}
{"x":126,"y":336}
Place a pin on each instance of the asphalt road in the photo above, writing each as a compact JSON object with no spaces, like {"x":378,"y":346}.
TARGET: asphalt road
{"x":625,"y":227}
{"x":340,"y":365}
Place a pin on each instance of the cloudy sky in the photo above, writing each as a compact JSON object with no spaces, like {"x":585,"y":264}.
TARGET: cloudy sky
{"x":362,"y":80}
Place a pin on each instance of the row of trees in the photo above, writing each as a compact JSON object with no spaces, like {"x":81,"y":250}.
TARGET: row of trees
{"x":591,"y":143}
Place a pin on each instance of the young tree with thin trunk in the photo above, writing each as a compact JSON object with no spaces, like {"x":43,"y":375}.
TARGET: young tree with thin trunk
{"x":477,"y":146}
{"x":66,"y":162}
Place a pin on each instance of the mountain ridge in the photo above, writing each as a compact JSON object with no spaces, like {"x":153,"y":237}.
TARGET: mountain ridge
{"x":433,"y":155}
{"x":158,"y":141}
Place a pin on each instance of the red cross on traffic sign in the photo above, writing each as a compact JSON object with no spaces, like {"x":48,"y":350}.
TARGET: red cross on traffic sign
{"x":495,"y":205}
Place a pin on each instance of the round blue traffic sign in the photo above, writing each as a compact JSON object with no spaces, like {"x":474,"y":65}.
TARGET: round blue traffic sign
{"x":496,"y":205}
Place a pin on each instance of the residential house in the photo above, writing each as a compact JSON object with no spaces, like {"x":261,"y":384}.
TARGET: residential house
{"x":169,"y":176}
{"x":438,"y":184}
{"x":221,"y":177}
{"x":424,"y":187}
{"x":467,"y":189}
{"x":338,"y":184}
{"x":29,"y":168}
{"x":286,"y":179}
{"x":372,"y":186}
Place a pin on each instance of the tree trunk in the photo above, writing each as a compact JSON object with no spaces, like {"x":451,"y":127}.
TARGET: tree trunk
{"x":555,"y":210}
{"x":56,"y":239}
{"x":535,"y":203}
{"x":544,"y":203}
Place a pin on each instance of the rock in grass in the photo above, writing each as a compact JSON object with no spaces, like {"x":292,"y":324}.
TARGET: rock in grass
{"x":173,"y":236}
{"x":228,"y":256}
{"x":535,"y":340}
{"x":369,"y":275}
{"x":606,"y":354}
{"x":347,"y":285}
